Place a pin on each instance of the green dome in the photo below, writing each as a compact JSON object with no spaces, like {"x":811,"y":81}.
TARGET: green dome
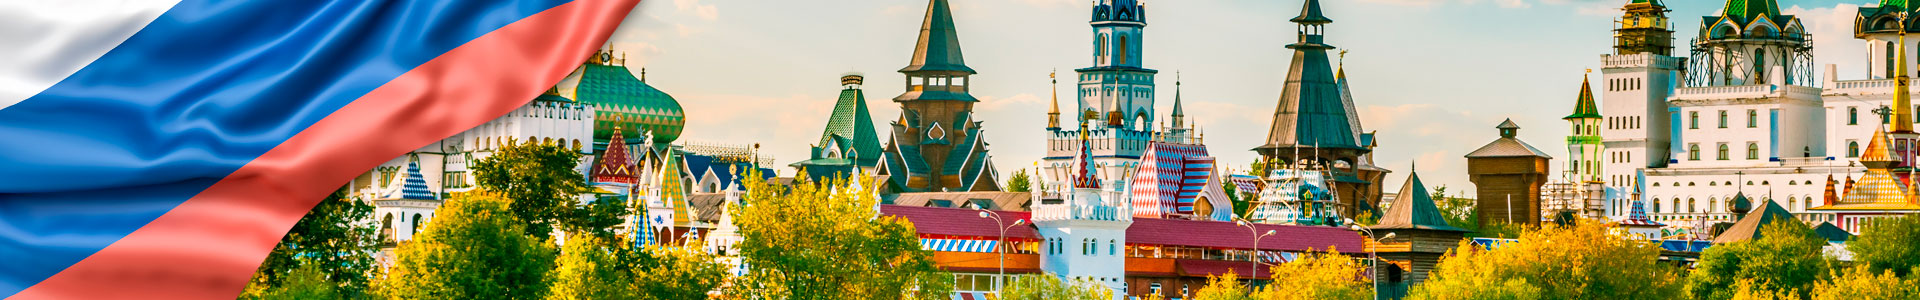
{"x":627,"y":102}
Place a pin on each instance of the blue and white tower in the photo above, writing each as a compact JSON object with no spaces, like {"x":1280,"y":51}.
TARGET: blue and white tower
{"x":1116,"y":100}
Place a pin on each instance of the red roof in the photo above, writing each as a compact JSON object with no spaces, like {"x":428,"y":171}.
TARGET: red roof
{"x":1226,"y":235}
{"x":961,"y":222}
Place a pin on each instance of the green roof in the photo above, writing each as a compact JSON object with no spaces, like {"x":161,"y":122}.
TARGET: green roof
{"x":1413,"y":208}
{"x":1893,"y":3}
{"x":939,"y":46}
{"x":1654,"y":2}
{"x":1748,"y":10}
{"x":624,"y":101}
{"x":851,"y":121}
{"x":1310,"y":14}
{"x":1584,"y":107}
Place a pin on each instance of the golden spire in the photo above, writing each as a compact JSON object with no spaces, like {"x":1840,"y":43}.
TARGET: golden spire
{"x":1902,"y":104}
{"x":1341,"y":73}
{"x":1053,"y":112}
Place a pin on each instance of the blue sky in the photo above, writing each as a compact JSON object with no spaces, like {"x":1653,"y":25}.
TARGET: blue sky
{"x":1432,"y":76}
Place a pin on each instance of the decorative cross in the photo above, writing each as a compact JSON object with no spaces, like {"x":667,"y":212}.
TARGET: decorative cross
{"x":1884,"y":112}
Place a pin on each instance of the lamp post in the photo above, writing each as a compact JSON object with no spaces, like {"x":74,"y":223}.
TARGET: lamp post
{"x":1373,"y":258}
{"x":1252,"y":273}
{"x":1000,"y":247}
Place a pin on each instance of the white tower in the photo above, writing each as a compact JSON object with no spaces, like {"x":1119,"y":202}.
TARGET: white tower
{"x":1085,"y":226}
{"x":1636,"y":127}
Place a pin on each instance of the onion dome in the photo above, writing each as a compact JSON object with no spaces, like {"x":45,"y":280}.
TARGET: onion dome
{"x":1740,"y":205}
{"x":622,"y":100}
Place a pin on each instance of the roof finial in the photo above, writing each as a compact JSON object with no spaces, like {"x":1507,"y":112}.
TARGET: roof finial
{"x":1053,"y":110}
{"x":643,"y":70}
{"x":1341,"y":72}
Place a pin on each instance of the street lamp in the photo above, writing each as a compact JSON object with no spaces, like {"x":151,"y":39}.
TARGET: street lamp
{"x":1000,"y":247}
{"x":1252,"y":273}
{"x":1373,"y":257}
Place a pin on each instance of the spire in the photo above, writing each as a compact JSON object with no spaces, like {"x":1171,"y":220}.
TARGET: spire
{"x":1086,"y":177}
{"x":1902,"y":104}
{"x":413,"y":186}
{"x":1340,"y":72}
{"x":1178,"y":112}
{"x":1583,"y":107}
{"x":615,"y":165}
{"x":939,"y":46}
{"x":1053,"y":109}
{"x":1310,"y":14}
{"x":1877,"y":154}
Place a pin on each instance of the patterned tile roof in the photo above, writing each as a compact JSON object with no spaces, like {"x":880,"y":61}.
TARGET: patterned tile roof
{"x":1583,"y":106}
{"x":1637,"y":216}
{"x":1226,"y":235}
{"x":851,"y":121}
{"x":621,"y":100}
{"x":1877,"y":189}
{"x":413,"y":186}
{"x":1172,"y":178}
{"x":615,"y":165}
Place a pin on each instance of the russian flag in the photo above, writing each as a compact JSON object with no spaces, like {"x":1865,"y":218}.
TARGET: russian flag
{"x":159,"y":149}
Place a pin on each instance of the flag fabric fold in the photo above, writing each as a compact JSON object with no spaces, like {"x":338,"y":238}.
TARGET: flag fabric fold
{"x":163,"y":147}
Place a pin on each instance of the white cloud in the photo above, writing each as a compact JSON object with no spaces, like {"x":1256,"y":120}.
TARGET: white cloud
{"x":685,"y":30}
{"x":704,"y":11}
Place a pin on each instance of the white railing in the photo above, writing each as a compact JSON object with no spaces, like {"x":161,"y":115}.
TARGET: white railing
{"x":1719,"y":92}
{"x":1639,"y":60}
{"x":1863,"y":87}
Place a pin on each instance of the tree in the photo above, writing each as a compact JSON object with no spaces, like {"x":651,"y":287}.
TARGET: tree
{"x":1260,"y":167}
{"x":1787,"y":257}
{"x":541,"y":183}
{"x":678,"y":273}
{"x":336,"y":240}
{"x":1224,"y":287}
{"x":588,"y":269}
{"x":826,"y":241}
{"x":474,"y":249}
{"x":1051,"y":287}
{"x":1019,"y":182}
{"x":307,"y":282}
{"x":1860,"y":282}
{"x":1586,"y":261}
{"x":1891,"y":244}
{"x":1242,"y":202}
{"x":1328,"y":275}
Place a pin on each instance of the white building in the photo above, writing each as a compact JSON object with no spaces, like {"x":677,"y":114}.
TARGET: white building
{"x":1085,"y":225}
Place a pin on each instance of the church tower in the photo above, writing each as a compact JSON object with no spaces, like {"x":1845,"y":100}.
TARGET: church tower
{"x":1637,"y":123}
{"x":1084,"y":222}
{"x":1116,"y":89}
{"x":1583,"y":144}
{"x":1312,"y":125}
{"x":936,"y":144}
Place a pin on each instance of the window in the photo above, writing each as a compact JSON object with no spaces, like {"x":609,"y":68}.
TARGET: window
{"x":1690,"y":205}
{"x":1753,"y":118}
{"x":1100,"y":48}
{"x":1656,"y":205}
{"x":1760,"y":65}
{"x":1890,"y":60}
{"x":1723,"y":119}
{"x":1753,"y":151}
{"x":1693,"y":120}
{"x":1723,"y":151}
{"x":1853,"y":115}
{"x":1853,"y":148}
{"x":1693,"y":151}
{"x":1123,"y":50}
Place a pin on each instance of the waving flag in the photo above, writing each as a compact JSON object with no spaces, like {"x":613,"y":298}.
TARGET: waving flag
{"x":159,"y":149}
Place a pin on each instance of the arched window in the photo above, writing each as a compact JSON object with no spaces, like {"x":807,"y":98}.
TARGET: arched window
{"x":1853,"y":149}
{"x":1693,"y":151}
{"x":1760,"y":65}
{"x":1656,"y":205}
{"x":1692,"y":205}
{"x":1100,"y":49}
{"x":1890,"y":65}
{"x":1853,"y":116}
{"x":1753,"y":151}
{"x":1122,"y":51}
{"x":1723,"y":151}
{"x":416,"y":224}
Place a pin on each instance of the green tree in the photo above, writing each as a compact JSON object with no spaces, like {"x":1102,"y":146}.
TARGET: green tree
{"x":336,"y":239}
{"x":1051,"y":287}
{"x":826,"y":241}
{"x":1788,"y":257}
{"x":1242,"y":202}
{"x":541,"y":183}
{"x":475,"y":249}
{"x":1891,"y":244}
{"x":1585,"y":261}
{"x":678,"y":273}
{"x":307,"y":282}
{"x":1328,"y":275}
{"x":1860,"y":282}
{"x":1019,"y":182}
{"x":589,"y":269}
{"x":1259,"y":167}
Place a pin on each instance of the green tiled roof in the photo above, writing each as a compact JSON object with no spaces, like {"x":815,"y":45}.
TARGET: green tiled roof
{"x":1654,"y":2}
{"x":851,"y":121}
{"x":1584,"y":107}
{"x":624,"y":101}
{"x":1414,"y":209}
{"x":1750,"y":9}
{"x":1311,"y":112}
{"x":939,"y":46}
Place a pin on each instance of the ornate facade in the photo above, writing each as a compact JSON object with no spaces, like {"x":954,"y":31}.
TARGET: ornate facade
{"x":1314,"y":126}
{"x":937,"y":145}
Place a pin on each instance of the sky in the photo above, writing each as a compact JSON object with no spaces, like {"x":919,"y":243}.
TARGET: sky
{"x":1433,"y":77}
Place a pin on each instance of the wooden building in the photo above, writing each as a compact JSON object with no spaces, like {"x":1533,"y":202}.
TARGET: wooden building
{"x":1508,"y":174}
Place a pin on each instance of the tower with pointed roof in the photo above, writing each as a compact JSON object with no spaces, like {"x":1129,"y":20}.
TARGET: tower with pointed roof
{"x":1313,"y":126}
{"x":1583,"y":172}
{"x":936,"y":144}
{"x":1507,"y":174}
{"x":1421,"y":237}
{"x":615,"y":165}
{"x":849,"y":144}
{"x":1878,"y":194}
{"x":1085,"y":224}
{"x":1115,"y":97}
